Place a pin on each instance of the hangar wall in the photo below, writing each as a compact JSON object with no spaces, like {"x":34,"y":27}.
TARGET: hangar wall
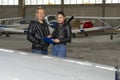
{"x":50,"y":9}
{"x":80,"y":10}
{"x":77,"y":10}
{"x":8,"y":11}
{"x":112,"y":11}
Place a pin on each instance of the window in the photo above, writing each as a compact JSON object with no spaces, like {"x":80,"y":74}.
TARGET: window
{"x":92,"y":1}
{"x":39,"y":1}
{"x":115,"y":1}
{"x":86,"y":2}
{"x":27,"y":2}
{"x":34,"y":2}
{"x":51,"y":2}
{"x":82,"y":1}
{"x":79,"y":1}
{"x":42,"y":2}
{"x":4,"y":2}
{"x":57,"y":1}
{"x":8,"y":2}
{"x":0,"y":2}
{"x":16,"y":2}
{"x":73,"y":1}
{"x":45,"y":2}
{"x":98,"y":1}
{"x":112,"y":1}
{"x":108,"y":1}
{"x":66,"y":1}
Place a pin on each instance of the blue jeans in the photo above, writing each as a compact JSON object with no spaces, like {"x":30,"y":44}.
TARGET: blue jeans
{"x":59,"y":50}
{"x":39,"y":51}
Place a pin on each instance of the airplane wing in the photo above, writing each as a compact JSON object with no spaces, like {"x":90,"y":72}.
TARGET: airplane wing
{"x":14,"y":18}
{"x":13,"y":30}
{"x":16,"y":65}
{"x":102,"y":18}
{"x":91,"y":29}
{"x":15,"y":27}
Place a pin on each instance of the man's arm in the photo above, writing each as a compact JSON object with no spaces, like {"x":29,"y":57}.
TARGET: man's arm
{"x":31,"y":33}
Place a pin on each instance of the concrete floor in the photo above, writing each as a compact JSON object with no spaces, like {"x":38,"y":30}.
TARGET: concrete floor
{"x":94,"y":48}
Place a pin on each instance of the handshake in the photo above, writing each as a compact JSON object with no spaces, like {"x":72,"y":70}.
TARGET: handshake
{"x":50,"y":40}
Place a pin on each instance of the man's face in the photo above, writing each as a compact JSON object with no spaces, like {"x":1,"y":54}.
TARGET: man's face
{"x":40,"y":14}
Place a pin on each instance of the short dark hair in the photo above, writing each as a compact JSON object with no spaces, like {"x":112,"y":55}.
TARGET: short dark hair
{"x":39,"y":9}
{"x":60,"y":12}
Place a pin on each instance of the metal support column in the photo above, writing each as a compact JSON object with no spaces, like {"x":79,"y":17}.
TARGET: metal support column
{"x":21,"y":8}
{"x":62,"y":5}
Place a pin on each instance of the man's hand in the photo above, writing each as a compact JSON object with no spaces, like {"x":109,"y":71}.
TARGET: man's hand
{"x":56,"y":40}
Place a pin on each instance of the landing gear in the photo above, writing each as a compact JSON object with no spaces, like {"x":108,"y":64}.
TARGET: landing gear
{"x":85,"y":34}
{"x":111,"y":37}
{"x":0,"y":33}
{"x":73,"y":35}
{"x":7,"y":34}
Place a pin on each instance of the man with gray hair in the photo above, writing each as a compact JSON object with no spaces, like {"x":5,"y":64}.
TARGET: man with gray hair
{"x":38,"y":29}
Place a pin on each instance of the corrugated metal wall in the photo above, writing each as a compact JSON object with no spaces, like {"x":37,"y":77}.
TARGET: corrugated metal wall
{"x":77,"y":10}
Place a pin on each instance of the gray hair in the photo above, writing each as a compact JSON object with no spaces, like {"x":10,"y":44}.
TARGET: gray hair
{"x":38,"y":9}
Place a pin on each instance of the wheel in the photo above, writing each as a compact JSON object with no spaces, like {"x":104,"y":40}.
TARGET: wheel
{"x":0,"y":34}
{"x":73,"y":34}
{"x":111,"y":37}
{"x":85,"y":34}
{"x":7,"y":35}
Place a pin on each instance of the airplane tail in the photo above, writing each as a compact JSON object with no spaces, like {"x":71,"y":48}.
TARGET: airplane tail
{"x":71,"y":18}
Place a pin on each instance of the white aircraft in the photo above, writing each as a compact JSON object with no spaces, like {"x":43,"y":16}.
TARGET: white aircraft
{"x":17,"y":65}
{"x":13,"y":25}
{"x":87,"y":26}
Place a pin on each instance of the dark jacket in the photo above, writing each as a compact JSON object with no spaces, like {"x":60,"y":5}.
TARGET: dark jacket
{"x":36,"y":32}
{"x":63,"y":33}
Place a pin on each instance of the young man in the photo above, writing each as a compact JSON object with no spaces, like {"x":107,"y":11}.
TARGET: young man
{"x":38,"y":29}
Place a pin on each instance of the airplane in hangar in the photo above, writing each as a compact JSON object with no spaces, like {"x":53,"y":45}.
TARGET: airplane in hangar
{"x":13,"y":25}
{"x":88,"y":25}
{"x":17,"y":65}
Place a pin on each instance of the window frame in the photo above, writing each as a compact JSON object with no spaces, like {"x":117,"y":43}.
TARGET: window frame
{"x":43,"y":3}
{"x":8,"y":3}
{"x":83,"y":3}
{"x":112,"y":2}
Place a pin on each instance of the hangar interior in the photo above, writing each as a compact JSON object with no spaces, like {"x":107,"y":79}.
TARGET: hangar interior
{"x":97,"y":47}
